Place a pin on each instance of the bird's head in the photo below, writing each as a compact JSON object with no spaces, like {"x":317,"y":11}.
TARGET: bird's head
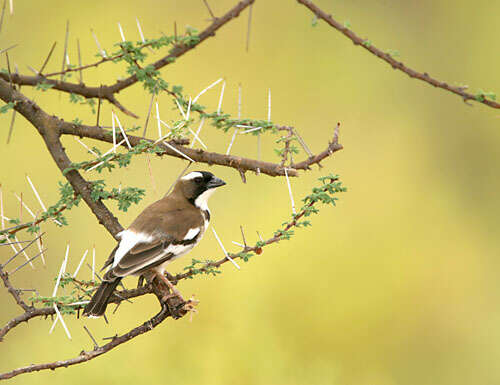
{"x":198,"y":186}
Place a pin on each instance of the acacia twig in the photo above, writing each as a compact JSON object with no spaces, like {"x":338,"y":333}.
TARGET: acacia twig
{"x":108,"y":91}
{"x":318,"y":12}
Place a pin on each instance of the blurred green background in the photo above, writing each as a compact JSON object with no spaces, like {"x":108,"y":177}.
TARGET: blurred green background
{"x":397,"y":285}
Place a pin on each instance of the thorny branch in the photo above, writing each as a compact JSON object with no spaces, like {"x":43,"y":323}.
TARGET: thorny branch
{"x":108,"y":92}
{"x":368,"y":45}
{"x":52,"y":128}
{"x":320,"y":195}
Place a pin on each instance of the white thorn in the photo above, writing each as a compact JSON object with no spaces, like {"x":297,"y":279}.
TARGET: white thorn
{"x":123,"y":132}
{"x":59,"y":316}
{"x":78,"y":303}
{"x":80,"y":263}
{"x":224,"y":250}
{"x":87,"y":147}
{"x":220,"y":97}
{"x":103,"y":53}
{"x":196,"y":137}
{"x":165,"y":124}
{"x":106,"y":153}
{"x":232,"y":141}
{"x":121,"y":31}
{"x":250,"y":130}
{"x":290,"y":191}
{"x":113,"y":124}
{"x":177,"y":151}
{"x":198,"y":131}
{"x":40,"y":199}
{"x":140,"y":30}
{"x":180,"y":109}
{"x":160,"y":139}
{"x":206,"y":89}
{"x":11,"y":5}
{"x":36,"y":193}
{"x":103,"y":155}
{"x":38,"y":242}
{"x":181,"y":124}
{"x":61,"y":271}
{"x":238,"y":244}
{"x":93,"y":263}
{"x":158,"y":120}
{"x":189,"y":109}
{"x":113,"y":149}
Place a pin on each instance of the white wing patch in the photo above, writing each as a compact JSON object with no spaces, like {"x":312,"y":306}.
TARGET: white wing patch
{"x":177,"y":250}
{"x":192,"y":233}
{"x":192,"y":175}
{"x":128,"y":240}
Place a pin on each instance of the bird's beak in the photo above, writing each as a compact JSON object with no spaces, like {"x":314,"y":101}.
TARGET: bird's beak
{"x":215,"y":182}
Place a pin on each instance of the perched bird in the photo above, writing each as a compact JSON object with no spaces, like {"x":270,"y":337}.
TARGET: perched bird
{"x":164,"y":231}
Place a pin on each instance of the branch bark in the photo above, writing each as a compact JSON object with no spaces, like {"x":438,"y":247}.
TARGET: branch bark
{"x":49,"y":128}
{"x":107,"y":92}
{"x":85,"y":356}
{"x":391,"y":61}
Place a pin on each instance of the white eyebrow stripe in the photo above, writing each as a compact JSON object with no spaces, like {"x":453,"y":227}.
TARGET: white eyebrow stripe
{"x":192,"y":233}
{"x":192,"y":175}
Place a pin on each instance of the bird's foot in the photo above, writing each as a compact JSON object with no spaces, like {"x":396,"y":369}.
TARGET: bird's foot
{"x":190,"y":307}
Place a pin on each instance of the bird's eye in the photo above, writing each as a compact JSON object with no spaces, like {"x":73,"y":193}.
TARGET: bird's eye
{"x":198,"y":179}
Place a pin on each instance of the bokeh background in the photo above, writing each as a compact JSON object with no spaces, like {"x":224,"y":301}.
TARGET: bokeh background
{"x":397,"y":285}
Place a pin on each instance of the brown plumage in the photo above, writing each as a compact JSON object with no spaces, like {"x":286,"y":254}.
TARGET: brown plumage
{"x":164,"y":231}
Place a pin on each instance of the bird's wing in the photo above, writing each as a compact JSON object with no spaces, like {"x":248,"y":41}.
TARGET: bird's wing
{"x":144,"y":247}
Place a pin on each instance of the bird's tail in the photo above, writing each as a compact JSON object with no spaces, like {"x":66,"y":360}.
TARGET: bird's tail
{"x":97,"y":305}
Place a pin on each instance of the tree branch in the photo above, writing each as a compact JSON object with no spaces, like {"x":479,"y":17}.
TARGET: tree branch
{"x":85,"y":356}
{"x":198,"y":155}
{"x":49,"y":129}
{"x":366,"y":44}
{"x":107,"y":92}
{"x":180,"y":311}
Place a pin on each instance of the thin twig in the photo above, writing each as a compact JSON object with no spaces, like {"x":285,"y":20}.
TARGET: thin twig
{"x":148,"y":115}
{"x":96,"y":345}
{"x":80,"y":62}
{"x":209,"y":10}
{"x":28,"y":261}
{"x":249,"y":25}
{"x":20,"y":251}
{"x":47,"y":58}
